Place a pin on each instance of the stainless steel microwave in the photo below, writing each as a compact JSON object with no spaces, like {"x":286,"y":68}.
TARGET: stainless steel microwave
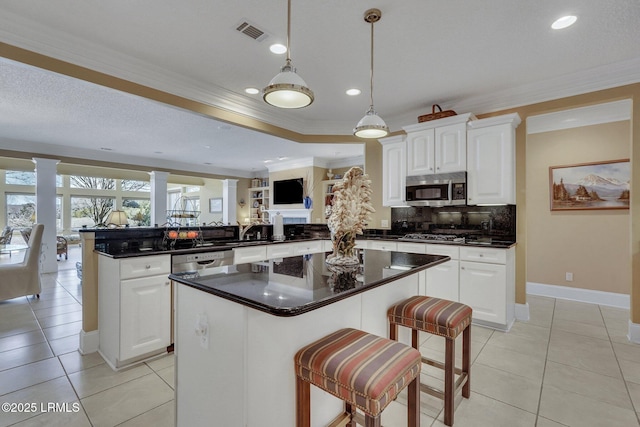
{"x":443,"y":189}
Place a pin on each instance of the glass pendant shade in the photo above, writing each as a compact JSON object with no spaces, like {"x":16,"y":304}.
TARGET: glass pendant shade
{"x":371,"y":126}
{"x":288,"y":90}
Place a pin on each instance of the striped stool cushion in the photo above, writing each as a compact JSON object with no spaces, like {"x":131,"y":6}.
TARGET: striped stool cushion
{"x":434,"y":315}
{"x":362,"y":369}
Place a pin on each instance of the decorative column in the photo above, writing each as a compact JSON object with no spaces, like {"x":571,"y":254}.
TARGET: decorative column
{"x":46,"y":211}
{"x":229,"y":201}
{"x":158,"y":197}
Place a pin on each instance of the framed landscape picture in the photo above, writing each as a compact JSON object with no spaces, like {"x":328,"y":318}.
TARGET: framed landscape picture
{"x":599,"y":185}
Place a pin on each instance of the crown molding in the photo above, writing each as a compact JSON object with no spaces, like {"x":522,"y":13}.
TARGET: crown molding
{"x":577,"y":117}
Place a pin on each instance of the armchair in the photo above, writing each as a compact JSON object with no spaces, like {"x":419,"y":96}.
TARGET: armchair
{"x":23,"y":278}
{"x":61,"y":247}
{"x":7,"y":234}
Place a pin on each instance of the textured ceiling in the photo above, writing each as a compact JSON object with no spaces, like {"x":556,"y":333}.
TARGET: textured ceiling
{"x":468,"y":56}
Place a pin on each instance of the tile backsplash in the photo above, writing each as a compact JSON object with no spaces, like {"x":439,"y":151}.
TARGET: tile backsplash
{"x":478,"y":221}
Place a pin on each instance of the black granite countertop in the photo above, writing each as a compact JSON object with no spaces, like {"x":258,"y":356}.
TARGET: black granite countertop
{"x":207,"y":247}
{"x":296,"y":285}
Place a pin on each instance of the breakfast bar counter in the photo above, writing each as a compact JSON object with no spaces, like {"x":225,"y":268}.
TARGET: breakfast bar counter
{"x":237,"y":328}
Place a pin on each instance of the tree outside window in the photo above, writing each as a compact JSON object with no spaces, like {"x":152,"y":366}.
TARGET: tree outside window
{"x":138,"y":211}
{"x":21,"y":210}
{"x":90,"y":211}
{"x":133,"y":185}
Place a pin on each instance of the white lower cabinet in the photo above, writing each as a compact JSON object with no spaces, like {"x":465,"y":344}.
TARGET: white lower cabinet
{"x":487,"y":284}
{"x":145,"y":315}
{"x":443,"y":279}
{"x":134,"y":308}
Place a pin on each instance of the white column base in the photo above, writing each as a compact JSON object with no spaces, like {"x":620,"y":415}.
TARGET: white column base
{"x":89,"y":342}
{"x":522,"y":312}
{"x":634,"y":332}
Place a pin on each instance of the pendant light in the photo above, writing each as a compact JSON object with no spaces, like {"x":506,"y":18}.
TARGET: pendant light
{"x":371,"y":125}
{"x":288,"y":89}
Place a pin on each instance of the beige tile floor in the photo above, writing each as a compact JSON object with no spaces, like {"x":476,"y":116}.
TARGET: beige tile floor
{"x":570,"y":365}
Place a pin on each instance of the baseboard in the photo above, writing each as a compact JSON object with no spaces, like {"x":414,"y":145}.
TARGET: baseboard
{"x":582,"y":295}
{"x":634,"y":332}
{"x":89,"y":342}
{"x":522,"y":312}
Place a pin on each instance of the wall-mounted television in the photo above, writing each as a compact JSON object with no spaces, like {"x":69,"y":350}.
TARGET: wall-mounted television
{"x":287,"y":191}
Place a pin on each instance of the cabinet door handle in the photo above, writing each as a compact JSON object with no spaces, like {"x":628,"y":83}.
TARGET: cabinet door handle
{"x":167,"y":283}
{"x":147,"y":266}
{"x":481,"y":255}
{"x":461,"y":268}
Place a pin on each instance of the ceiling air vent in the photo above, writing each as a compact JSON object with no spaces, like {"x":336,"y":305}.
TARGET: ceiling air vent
{"x":249,"y":29}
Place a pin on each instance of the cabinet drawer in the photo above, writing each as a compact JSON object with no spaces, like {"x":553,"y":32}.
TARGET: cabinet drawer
{"x":144,"y":266}
{"x":412,"y":248}
{"x":362,"y":244}
{"x":310,"y":247}
{"x":251,"y":254}
{"x":279,"y":250}
{"x":383,"y":246}
{"x":447,"y":250}
{"x":489,"y":255}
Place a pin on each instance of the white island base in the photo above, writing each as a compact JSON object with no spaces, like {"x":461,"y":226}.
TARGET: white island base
{"x":244,"y":376}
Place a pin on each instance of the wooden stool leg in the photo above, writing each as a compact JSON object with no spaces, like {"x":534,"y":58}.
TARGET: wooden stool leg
{"x":415,"y":341}
{"x":393,"y":331}
{"x":303,"y":403}
{"x":449,"y":379}
{"x":349,"y":409}
{"x":466,"y":360}
{"x":370,"y":421}
{"x":413,"y":403}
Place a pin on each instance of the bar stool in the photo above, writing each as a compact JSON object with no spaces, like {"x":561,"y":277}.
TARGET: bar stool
{"x":447,"y":319}
{"x":364,"y":370}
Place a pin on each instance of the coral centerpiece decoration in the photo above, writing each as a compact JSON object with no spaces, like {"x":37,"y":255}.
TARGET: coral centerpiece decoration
{"x":350,"y":213}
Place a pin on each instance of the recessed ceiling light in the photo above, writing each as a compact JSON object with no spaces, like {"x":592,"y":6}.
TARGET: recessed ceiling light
{"x":282,"y":158}
{"x":157,"y":152}
{"x":106,"y":149}
{"x":353,"y":92}
{"x":252,"y":90}
{"x":268,"y":161}
{"x":207,"y":146}
{"x":278,"y":48}
{"x":207,"y":163}
{"x":564,"y":22}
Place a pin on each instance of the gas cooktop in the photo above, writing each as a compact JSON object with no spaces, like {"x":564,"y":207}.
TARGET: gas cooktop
{"x":434,"y":237}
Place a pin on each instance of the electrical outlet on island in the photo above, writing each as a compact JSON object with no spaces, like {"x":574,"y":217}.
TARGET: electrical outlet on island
{"x":384,"y":223}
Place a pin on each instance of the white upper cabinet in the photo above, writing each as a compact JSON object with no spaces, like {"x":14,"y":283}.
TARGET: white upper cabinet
{"x":394,"y":170}
{"x":421,"y":152}
{"x":491,"y":163}
{"x":438,"y":146}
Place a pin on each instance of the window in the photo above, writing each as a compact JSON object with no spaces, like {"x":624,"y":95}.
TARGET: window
{"x":132,"y":185}
{"x":92,"y":182}
{"x":26,"y":178}
{"x":90,"y":211}
{"x":21,"y":210}
{"x":20,"y":178}
{"x":138,"y":210}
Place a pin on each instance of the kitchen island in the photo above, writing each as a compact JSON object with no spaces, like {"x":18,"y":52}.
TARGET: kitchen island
{"x":238,"y":327}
